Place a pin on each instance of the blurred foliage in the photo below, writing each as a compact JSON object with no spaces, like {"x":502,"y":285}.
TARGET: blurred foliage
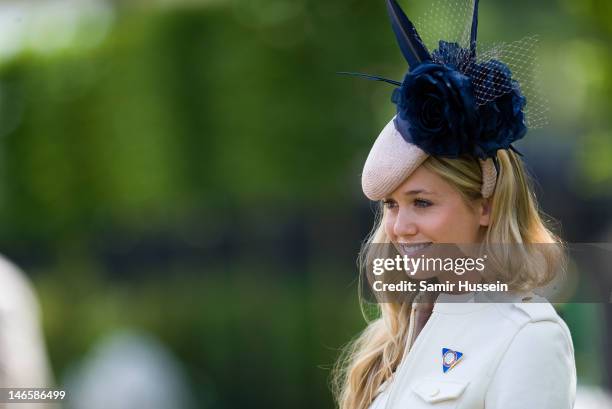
{"x":196,"y":175}
{"x":174,"y":112}
{"x":229,"y":330}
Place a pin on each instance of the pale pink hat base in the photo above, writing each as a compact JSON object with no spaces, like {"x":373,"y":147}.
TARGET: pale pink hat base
{"x":392,"y":160}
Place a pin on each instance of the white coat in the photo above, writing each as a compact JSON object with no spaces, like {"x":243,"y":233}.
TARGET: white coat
{"x":516,"y":355}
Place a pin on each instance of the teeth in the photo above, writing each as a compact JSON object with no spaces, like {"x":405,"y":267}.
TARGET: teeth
{"x":411,"y":248}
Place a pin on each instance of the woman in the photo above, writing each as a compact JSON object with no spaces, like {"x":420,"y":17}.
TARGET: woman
{"x":445,"y":171}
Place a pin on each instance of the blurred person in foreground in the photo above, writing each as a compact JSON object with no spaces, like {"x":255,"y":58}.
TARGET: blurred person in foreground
{"x":23,"y":355}
{"x":446,"y":173}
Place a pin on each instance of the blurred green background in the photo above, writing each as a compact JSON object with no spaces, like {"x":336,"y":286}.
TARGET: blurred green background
{"x":191,"y":169}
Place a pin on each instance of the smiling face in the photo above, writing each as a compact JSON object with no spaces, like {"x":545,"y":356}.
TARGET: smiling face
{"x":426,"y":209}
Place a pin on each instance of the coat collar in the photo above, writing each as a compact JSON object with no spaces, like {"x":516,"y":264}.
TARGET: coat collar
{"x":465,"y":303}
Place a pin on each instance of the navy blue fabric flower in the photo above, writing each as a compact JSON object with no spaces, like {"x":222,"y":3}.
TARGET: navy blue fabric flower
{"x":452,"y":55}
{"x":491,"y":78}
{"x":449,"y":104}
{"x":436,"y":110}
{"x":502,"y":119}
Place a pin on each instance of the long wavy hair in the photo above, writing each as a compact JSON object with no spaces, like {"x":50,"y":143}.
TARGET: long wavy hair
{"x":372,"y":357}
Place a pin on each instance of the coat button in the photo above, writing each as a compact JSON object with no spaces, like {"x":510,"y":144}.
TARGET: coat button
{"x":433,"y":391}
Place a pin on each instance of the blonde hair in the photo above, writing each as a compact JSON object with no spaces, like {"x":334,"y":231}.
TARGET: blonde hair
{"x":374,"y":355}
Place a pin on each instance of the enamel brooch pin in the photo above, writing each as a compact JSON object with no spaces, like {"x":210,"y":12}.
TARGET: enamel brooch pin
{"x":450,"y":358}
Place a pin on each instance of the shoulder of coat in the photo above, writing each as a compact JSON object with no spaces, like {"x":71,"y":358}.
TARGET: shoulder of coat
{"x":528,"y":308}
{"x":540,"y":310}
{"x":536,"y":308}
{"x":533,"y":310}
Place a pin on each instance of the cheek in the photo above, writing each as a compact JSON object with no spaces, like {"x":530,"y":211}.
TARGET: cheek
{"x":437,"y":225}
{"x":452,"y":224}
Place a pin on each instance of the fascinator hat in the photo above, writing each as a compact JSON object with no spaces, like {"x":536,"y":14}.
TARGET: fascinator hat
{"x":450,"y":104}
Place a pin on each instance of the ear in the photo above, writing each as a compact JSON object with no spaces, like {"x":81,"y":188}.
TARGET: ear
{"x":485,"y":211}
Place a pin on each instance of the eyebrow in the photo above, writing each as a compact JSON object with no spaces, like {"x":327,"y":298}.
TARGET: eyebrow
{"x":419,"y":192}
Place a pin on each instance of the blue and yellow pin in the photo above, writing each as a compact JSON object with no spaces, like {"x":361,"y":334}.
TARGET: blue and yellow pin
{"x":450,"y":358}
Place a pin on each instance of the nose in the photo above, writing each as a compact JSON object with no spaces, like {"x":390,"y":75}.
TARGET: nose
{"x":405,"y":224}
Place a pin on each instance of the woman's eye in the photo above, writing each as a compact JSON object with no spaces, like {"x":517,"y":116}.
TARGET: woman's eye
{"x":389,"y":204}
{"x":422,"y":203}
